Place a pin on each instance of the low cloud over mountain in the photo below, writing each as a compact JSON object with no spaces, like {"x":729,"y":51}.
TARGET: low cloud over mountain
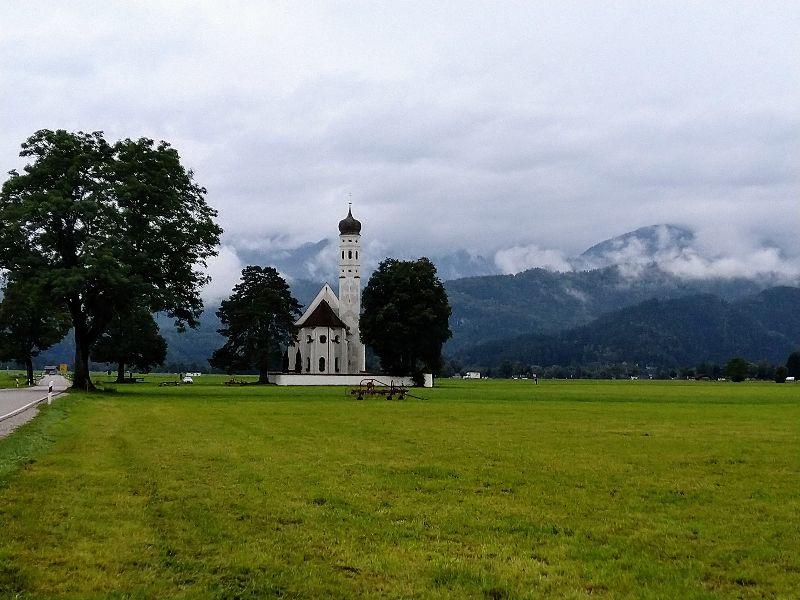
{"x":677,"y":251}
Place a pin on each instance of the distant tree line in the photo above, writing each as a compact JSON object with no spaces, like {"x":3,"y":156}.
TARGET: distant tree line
{"x":737,"y":369}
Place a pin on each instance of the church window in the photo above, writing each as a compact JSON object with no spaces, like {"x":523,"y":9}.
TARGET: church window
{"x":323,"y":339}
{"x":349,"y":254}
{"x":336,"y":364}
{"x":342,"y":254}
{"x":322,"y":364}
{"x":356,"y":254}
{"x":308,"y":364}
{"x":309,"y":339}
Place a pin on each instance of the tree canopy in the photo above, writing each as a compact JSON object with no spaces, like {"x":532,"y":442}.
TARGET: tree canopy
{"x":101,"y":227}
{"x":258,"y":322}
{"x":132,"y":339}
{"x":29,"y":323}
{"x":405,"y":316}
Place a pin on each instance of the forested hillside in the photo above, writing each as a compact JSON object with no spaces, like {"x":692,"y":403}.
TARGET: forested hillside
{"x":540,"y":301}
{"x":666,"y":333}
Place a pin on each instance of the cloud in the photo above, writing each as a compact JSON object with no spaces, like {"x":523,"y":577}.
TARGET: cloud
{"x":527,"y":132}
{"x":758,"y":263}
{"x":677,"y":251}
{"x":521,"y":258}
{"x":225,"y":271}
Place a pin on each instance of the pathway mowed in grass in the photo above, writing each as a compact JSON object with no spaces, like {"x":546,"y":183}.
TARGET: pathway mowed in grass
{"x":485,"y":489}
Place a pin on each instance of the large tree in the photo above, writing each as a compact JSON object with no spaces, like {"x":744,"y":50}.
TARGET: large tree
{"x":405,"y":316}
{"x":258,"y":320}
{"x":102,"y":228}
{"x":29,"y":323}
{"x":132,"y":339}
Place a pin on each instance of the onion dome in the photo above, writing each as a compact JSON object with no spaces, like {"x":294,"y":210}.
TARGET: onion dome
{"x":349,"y":225}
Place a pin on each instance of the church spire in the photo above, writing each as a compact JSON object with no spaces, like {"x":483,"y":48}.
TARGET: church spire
{"x":349,"y":225}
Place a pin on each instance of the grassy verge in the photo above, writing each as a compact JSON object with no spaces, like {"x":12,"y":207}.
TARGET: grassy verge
{"x":7,"y":378}
{"x":484,"y":489}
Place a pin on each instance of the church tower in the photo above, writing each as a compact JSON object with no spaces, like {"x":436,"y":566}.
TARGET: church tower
{"x":350,"y":290}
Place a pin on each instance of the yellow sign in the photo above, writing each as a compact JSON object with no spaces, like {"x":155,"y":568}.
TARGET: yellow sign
{"x":62,"y":368}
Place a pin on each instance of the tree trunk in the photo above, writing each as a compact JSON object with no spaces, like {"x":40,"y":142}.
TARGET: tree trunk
{"x":121,"y":372}
{"x":82,"y":379}
{"x":29,"y":368}
{"x":263,"y":370}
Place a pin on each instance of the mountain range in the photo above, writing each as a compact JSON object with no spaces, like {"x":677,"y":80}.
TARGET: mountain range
{"x":668,"y":333}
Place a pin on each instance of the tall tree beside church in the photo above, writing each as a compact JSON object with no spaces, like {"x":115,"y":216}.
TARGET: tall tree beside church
{"x":29,"y":323}
{"x":133,"y":340}
{"x":258,"y":320}
{"x":101,"y":228}
{"x":405,"y":316}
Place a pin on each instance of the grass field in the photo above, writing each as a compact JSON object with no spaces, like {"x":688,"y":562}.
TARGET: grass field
{"x":484,"y":489}
{"x":7,"y":378}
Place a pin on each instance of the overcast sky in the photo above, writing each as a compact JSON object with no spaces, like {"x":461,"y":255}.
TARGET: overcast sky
{"x":545,"y":126}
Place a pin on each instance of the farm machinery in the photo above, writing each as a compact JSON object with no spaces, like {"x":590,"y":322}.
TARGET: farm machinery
{"x":376,"y":388}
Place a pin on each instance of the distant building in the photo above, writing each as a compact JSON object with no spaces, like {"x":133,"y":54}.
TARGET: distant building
{"x":472,"y":375}
{"x":329,"y":341}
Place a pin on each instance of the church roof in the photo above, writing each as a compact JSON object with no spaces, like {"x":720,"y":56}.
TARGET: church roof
{"x":349,"y":225}
{"x":322,"y":316}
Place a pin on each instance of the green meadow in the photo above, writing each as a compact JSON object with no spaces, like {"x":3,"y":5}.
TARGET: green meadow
{"x":7,"y":378}
{"x":483,"y":489}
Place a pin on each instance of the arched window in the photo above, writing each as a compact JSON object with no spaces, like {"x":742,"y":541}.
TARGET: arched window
{"x":323,"y":339}
{"x":349,"y":254}
{"x":308,"y":364}
{"x":356,"y":254}
{"x":322,"y":364}
{"x":336,"y":364}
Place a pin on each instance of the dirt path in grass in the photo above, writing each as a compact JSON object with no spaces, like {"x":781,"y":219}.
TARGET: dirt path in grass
{"x":13,"y":399}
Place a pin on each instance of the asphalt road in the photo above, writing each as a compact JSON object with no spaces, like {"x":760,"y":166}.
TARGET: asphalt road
{"x":14,"y":398}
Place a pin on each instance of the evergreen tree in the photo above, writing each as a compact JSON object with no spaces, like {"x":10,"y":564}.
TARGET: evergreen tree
{"x":258,"y":320}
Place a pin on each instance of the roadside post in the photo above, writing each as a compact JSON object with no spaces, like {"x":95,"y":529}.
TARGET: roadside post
{"x":50,"y":393}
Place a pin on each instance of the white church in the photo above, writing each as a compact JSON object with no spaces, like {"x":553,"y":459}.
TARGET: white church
{"x":328,"y":349}
{"x":329,"y":341}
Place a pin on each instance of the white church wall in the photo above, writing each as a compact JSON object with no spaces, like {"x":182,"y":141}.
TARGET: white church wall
{"x":287,"y":379}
